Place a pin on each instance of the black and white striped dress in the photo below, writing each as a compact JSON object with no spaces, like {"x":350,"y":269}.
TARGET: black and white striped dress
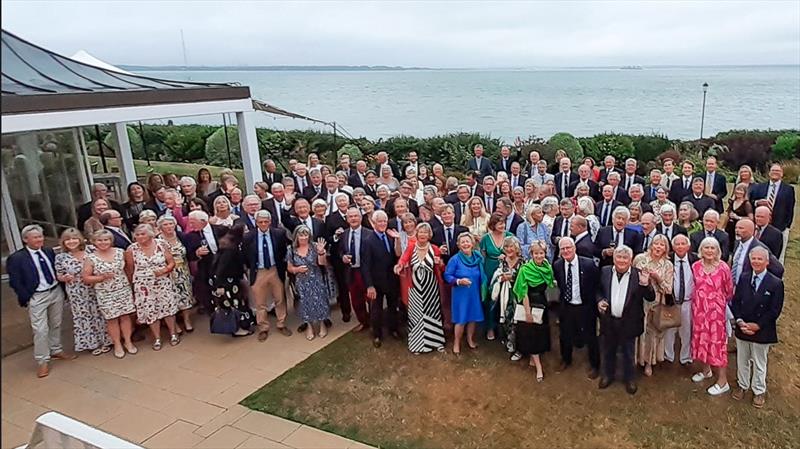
{"x":424,"y":307}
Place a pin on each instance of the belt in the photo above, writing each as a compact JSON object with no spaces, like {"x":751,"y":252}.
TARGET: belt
{"x":47,"y":290}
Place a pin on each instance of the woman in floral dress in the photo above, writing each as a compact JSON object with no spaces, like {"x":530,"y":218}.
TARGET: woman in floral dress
{"x":713,"y":287}
{"x":306,"y":261}
{"x":650,"y":348}
{"x":89,"y":327}
{"x":149,"y":264}
{"x":180,"y":275}
{"x":105,"y":269}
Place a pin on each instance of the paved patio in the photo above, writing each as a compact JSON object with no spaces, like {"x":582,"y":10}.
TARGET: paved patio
{"x":181,"y":397}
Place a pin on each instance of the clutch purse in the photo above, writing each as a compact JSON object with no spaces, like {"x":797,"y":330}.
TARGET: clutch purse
{"x":536,"y":312}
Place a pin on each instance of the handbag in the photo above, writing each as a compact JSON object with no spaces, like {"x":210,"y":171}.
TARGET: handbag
{"x":667,"y":315}
{"x":536,"y":312}
{"x":224,"y":321}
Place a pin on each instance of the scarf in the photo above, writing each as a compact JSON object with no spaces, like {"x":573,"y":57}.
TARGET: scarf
{"x":531,"y":275}
{"x":471,"y":261}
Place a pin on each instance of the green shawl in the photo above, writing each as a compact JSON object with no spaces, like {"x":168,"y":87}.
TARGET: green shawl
{"x":531,"y":275}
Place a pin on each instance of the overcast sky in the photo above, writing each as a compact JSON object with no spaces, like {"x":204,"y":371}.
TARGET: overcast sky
{"x":444,"y":34}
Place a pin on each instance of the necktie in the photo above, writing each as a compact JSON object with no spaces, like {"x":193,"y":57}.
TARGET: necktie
{"x":668,"y":232}
{"x":772,"y":193}
{"x":489,"y":204}
{"x":302,"y":183}
{"x":628,"y":182}
{"x":646,"y":242}
{"x":681,"y":281}
{"x":606,"y":209}
{"x":330,"y":202}
{"x":758,"y":232}
{"x":265,"y":246}
{"x":618,"y":239}
{"x":449,"y":237}
{"x":709,"y":183}
{"x":736,"y":265}
{"x":352,"y":245}
{"x":563,"y":185}
{"x":652,"y":192}
{"x":754,"y":284}
{"x":48,"y":275}
{"x":385,"y":242}
{"x":463,"y":207}
{"x":709,"y":234}
{"x":568,"y":290}
{"x":565,"y":228}
{"x":685,"y":184}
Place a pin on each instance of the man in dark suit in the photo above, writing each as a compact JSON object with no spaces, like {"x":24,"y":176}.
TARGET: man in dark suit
{"x":620,"y":301}
{"x":226,"y":185}
{"x":335,"y":224}
{"x":359,"y":178}
{"x":682,"y":187}
{"x":99,"y":192}
{"x":487,"y":194}
{"x":505,"y":160}
{"x":668,"y":226}
{"x":564,"y":178}
{"x":250,"y":205}
{"x":329,"y":192}
{"x":516,"y":178}
{"x":779,"y":197}
{"x":32,"y":276}
{"x":352,"y":246}
{"x":756,"y":305}
{"x":513,"y":220}
{"x":618,"y":192}
{"x":405,"y":191}
{"x":629,"y":178}
{"x":381,"y":159}
{"x":379,"y":279}
{"x":460,"y":206}
{"x":636,"y":194}
{"x":316,"y":186}
{"x":605,"y":208}
{"x":411,"y":164}
{"x":302,"y":216}
{"x":301,"y":177}
{"x":265,"y":256}
{"x":112,"y":221}
{"x":698,"y":198}
{"x":446,"y":237}
{"x":609,"y":166}
{"x":766,"y":233}
{"x":651,"y":190}
{"x":576,"y":277}
{"x":561,"y":224}
{"x":202,"y":246}
{"x":277,"y":206}
{"x":345,"y":166}
{"x":585,"y":177}
{"x":614,"y":236}
{"x":746,"y":243}
{"x":579,"y":231}
{"x":480,"y":164}
{"x":371,"y":187}
{"x":716,"y":187}
{"x":682,"y":288}
{"x":649,"y":232}
{"x":271,"y":174}
{"x":710,"y":224}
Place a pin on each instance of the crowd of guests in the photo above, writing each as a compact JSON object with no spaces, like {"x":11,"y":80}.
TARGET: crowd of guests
{"x":654,"y":263}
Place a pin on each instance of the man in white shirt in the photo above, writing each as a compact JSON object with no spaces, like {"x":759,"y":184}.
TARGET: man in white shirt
{"x":682,"y":288}
{"x":541,"y":176}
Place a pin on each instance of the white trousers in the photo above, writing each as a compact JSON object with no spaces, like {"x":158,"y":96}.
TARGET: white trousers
{"x":785,"y":244}
{"x":684,"y":333}
{"x":45,"y":310}
{"x":748,"y":352}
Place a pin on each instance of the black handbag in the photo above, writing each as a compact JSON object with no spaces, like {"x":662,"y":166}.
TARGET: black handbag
{"x":224,"y":321}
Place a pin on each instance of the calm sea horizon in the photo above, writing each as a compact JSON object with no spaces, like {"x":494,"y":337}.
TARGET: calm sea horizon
{"x":507,"y":103}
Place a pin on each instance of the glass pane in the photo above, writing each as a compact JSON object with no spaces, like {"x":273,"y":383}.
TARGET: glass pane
{"x":14,"y":67}
{"x":40,"y":169}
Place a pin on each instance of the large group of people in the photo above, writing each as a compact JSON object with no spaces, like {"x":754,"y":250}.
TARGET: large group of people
{"x":620,"y":262}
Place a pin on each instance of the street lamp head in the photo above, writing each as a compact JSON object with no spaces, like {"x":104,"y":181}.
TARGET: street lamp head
{"x":705,"y":87}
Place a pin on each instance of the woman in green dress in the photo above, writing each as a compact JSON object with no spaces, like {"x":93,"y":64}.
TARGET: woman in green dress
{"x":688,"y":218}
{"x":491,"y":247}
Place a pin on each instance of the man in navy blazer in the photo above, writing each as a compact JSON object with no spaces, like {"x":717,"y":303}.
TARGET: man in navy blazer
{"x":250,"y":205}
{"x":32,"y":276}
{"x":564,"y":178}
{"x":756,"y":305}
{"x":620,"y":301}
{"x":112,"y":220}
{"x":480,"y":163}
{"x":779,"y":197}
{"x":766,"y":233}
{"x":606,"y":206}
{"x":710,"y":225}
{"x":746,"y":243}
{"x":352,"y":244}
{"x":380,"y":281}
{"x":202,"y":244}
{"x":576,"y":277}
{"x":616,"y":235}
{"x":446,"y":236}
{"x":715,"y":183}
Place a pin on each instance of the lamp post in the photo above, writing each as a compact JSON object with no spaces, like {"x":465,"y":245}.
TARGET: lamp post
{"x":703,"y":113}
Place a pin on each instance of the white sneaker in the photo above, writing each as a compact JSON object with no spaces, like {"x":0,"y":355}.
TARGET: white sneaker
{"x":701,"y":376}
{"x":716,"y":390}
{"x":516,"y":357}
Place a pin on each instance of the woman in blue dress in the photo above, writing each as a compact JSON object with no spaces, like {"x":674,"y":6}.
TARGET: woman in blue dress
{"x":306,"y":261}
{"x":465,"y":273}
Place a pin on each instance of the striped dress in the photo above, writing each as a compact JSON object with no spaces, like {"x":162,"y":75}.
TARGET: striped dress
{"x":424,"y":306}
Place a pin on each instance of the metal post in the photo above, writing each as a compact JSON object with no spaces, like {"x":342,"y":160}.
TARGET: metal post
{"x":227,"y":144}
{"x":703,"y":113}
{"x":334,"y":136}
{"x":100,"y":147}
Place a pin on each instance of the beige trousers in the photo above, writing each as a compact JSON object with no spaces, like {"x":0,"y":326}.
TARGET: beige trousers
{"x":268,"y":289}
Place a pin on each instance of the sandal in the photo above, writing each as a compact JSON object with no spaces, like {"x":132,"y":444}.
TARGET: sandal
{"x":540,"y":379}
{"x":174,"y":340}
{"x":119,"y":354}
{"x":97,"y":351}
{"x":157,"y":345}
{"x":131,"y":349}
{"x":105,"y":349}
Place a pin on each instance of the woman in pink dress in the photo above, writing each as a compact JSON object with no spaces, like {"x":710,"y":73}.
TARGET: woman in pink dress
{"x":713,"y":287}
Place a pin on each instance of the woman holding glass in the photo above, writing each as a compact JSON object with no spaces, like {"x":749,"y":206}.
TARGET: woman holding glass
{"x":307,"y":261}
{"x":181,"y":277}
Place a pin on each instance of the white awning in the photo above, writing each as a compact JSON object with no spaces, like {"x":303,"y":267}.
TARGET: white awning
{"x":86,"y":58}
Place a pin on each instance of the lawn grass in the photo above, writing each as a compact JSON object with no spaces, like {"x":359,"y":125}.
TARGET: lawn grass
{"x":179,"y":168}
{"x":390,"y":398}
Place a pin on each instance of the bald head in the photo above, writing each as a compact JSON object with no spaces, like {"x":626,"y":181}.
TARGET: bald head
{"x":745,"y":229}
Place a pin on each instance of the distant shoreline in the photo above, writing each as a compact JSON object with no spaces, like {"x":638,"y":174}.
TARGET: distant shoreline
{"x":382,"y":68}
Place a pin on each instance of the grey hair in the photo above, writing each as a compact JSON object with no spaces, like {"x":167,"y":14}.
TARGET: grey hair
{"x":382,"y":187}
{"x":712,"y":242}
{"x":145,"y":228}
{"x":636,"y":187}
{"x":31,"y":228}
{"x":711,"y":213}
{"x":679,"y":237}
{"x":549,"y":203}
{"x":339,"y":195}
{"x":165,"y":218}
{"x":263,"y":214}
{"x":298,"y":231}
{"x":198,"y":215}
{"x":103,"y":233}
{"x":319,"y":202}
{"x":359,"y":190}
{"x":540,"y":244}
{"x":623,"y":249}
{"x":188,"y":179}
{"x":147,"y":213}
{"x":761,"y":250}
{"x":378,"y":214}
{"x":585,"y":205}
{"x":631,"y":160}
{"x":668,"y":209}
{"x":568,"y":240}
{"x":251,"y":197}
{"x":222,"y":199}
{"x":615,"y":175}
{"x":622,"y":210}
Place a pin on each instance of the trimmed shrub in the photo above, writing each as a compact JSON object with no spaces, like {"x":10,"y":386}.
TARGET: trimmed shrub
{"x":752,"y":149}
{"x":787,"y":146}
{"x":133,"y":136}
{"x":187,"y":144}
{"x":566,"y":142}
{"x":354,"y":152}
{"x":618,"y":145}
{"x":216,"y":150}
{"x":646,"y":148}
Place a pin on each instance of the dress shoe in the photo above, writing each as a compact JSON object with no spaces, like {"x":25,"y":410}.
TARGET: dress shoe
{"x":346,"y":318}
{"x":759,"y":400}
{"x":285,"y":331}
{"x":631,"y":388}
{"x":376,"y":342}
{"x":716,"y":390}
{"x":302,"y":327}
{"x":604,"y":383}
{"x":738,"y":394}
{"x":64,"y":356}
{"x":593,"y":374}
{"x":43,"y":370}
{"x":328,"y":323}
{"x":263,"y":335}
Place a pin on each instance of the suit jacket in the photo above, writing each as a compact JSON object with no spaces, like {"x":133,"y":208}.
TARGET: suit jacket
{"x":371,"y":191}
{"x":343,"y":249}
{"x":482,"y":195}
{"x":631,"y":324}
{"x":412,"y":207}
{"x":504,"y":165}
{"x":271,"y":178}
{"x":720,"y":189}
{"x":540,"y":179}
{"x":585,"y":247}
{"x":701,"y":204}
{"x":377,"y":263}
{"x":485,"y":168}
{"x":762,"y":307}
{"x":273,"y":209}
{"x":624,"y":181}
{"x":213,"y":196}
{"x":676,"y":229}
{"x":85,"y":211}
{"x":605,"y":236}
{"x":520,"y":181}
{"x":325,"y":194}
{"x":783,"y":211}
{"x":245,"y":221}
{"x":395,"y":170}
{"x":439,"y":239}
{"x":598,"y":210}
{"x":250,"y":245}
{"x":306,"y":179}
{"x":194,"y":240}
{"x":721,"y":236}
{"x":515,"y":222}
{"x":310,"y":192}
{"x":604,"y":174}
{"x":333,"y":222}
{"x":22,"y":274}
{"x":587,"y":278}
{"x":559,"y":180}
{"x":649,"y":193}
{"x":594,"y":189}
{"x":457,"y":211}
{"x":775,"y":266}
{"x":677,"y":192}
{"x":622,"y":196}
{"x":556,"y":232}
{"x":773,"y":239}
{"x":121,"y":240}
{"x":355,"y":181}
{"x":318,"y":226}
